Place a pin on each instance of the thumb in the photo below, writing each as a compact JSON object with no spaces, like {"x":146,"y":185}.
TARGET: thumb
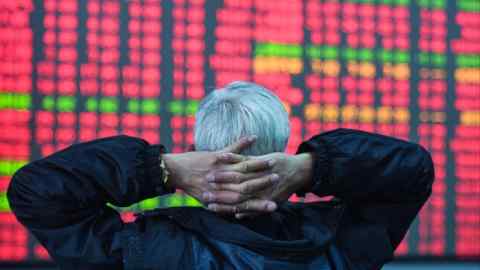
{"x":239,"y":145}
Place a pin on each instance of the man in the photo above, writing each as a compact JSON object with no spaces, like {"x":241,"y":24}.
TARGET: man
{"x":380,"y":184}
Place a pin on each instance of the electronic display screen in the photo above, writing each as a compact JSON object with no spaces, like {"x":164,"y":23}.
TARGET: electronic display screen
{"x":74,"y":71}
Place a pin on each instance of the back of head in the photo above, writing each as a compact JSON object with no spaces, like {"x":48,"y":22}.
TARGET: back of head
{"x":241,"y":109}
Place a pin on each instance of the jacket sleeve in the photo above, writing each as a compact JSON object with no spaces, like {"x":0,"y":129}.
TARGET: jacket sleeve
{"x":382,"y":180}
{"x":62,"y":199}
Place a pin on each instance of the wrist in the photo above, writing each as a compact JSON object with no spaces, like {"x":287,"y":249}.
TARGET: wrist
{"x":171,"y":164}
{"x":303,"y":168}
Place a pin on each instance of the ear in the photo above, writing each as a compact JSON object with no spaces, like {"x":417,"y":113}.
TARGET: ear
{"x":191,"y":148}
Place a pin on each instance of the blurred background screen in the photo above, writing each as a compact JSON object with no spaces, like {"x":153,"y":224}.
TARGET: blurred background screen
{"x":74,"y":71}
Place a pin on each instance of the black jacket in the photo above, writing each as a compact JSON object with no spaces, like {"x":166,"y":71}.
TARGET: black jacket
{"x":380,"y":184}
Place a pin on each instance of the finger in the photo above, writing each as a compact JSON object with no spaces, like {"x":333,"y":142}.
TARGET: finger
{"x":222,"y":208}
{"x":249,"y":187}
{"x":248,"y":207}
{"x":233,"y":177}
{"x":225,"y":177}
{"x":240,"y":145}
{"x":224,"y":197}
{"x":246,"y":215}
{"x":252,"y":165}
{"x":230,"y":158}
{"x":257,"y":205}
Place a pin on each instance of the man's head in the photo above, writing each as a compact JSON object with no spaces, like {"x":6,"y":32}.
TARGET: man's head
{"x":241,"y":109}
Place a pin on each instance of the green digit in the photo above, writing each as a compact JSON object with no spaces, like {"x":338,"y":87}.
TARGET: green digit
{"x":150,"y":106}
{"x":439,"y":60}
{"x":92,"y":104}
{"x":4,"y":205}
{"x":66,"y":104}
{"x":15,"y":101}
{"x":386,"y":56}
{"x":296,"y":51}
{"x":424,"y":3}
{"x":176,"y":107}
{"x":469,"y":5}
{"x":48,"y":103}
{"x":108,"y":105}
{"x":424,"y":58}
{"x":9,"y":167}
{"x":401,"y":57}
{"x":330,"y":52}
{"x":468,"y":60}
{"x":285,"y":50}
{"x":350,"y":54}
{"x":192,"y":107}
{"x":314,"y":52}
{"x":21,"y":101}
{"x":402,"y":2}
{"x":133,"y":106}
{"x":438,"y":4}
{"x":365,"y":55}
{"x":259,"y":49}
{"x":4,"y":100}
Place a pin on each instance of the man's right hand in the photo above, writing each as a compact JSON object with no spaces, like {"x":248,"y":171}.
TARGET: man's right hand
{"x":294,"y":173}
{"x":194,"y":172}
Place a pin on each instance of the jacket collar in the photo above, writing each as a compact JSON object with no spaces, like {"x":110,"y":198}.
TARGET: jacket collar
{"x":313,"y":239}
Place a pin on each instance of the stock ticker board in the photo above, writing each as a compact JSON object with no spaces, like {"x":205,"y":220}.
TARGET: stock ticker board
{"x":74,"y":71}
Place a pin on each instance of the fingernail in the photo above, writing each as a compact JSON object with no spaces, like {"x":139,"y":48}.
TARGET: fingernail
{"x":274,"y":177}
{"x":221,"y":157}
{"x":252,"y":138}
{"x":210,"y":178}
{"x":271,"y":206}
{"x":212,"y":207}
{"x":271,"y":162}
{"x":238,"y":216}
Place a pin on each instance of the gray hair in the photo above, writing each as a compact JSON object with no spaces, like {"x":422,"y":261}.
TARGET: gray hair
{"x":242,"y":109}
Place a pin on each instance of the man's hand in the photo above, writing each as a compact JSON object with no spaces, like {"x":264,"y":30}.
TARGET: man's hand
{"x":192,"y":172}
{"x":294,"y":172}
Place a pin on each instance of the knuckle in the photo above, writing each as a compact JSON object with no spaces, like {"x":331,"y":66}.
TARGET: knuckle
{"x":225,"y":175}
{"x":215,"y":176}
{"x":213,"y":197}
{"x":231,"y":187}
{"x":213,"y":207}
{"x":246,"y":188}
{"x":259,"y":207}
{"x":265,"y":206}
{"x":238,"y":178}
{"x":267,"y":180}
{"x":247,"y":206}
{"x":234,"y":178}
{"x":215,"y":186}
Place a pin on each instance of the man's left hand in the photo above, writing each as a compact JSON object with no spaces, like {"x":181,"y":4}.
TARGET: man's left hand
{"x":231,"y":195}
